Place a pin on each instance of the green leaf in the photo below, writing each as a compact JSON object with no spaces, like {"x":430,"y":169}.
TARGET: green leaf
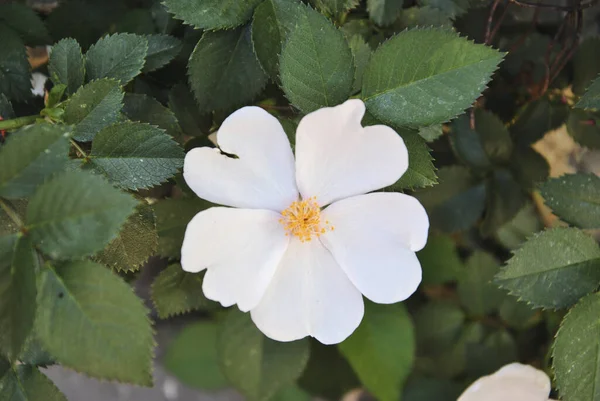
{"x":6,"y":109}
{"x":591,"y":97}
{"x":137,"y":241}
{"x":553,"y":269}
{"x":421,"y":171}
{"x":175,"y":292}
{"x":467,"y":145}
{"x":172,"y":217}
{"x":25,"y":22}
{"x":361,"y":52}
{"x":316,"y":65}
{"x":254,"y":364}
{"x":525,"y":223}
{"x":575,"y":198}
{"x":428,"y":389}
{"x":583,"y":127}
{"x":438,"y":325}
{"x":426,"y":76}
{"x":183,"y":105}
{"x":272,"y":22}
{"x":456,"y":203}
{"x":478,"y":295}
{"x":30,"y":156}
{"x":381,"y":350}
{"x":7,"y":225}
{"x":27,"y":383}
{"x":517,"y":314}
{"x":76,"y":214}
{"x":145,"y":109}
{"x":119,"y":56}
{"x":138,"y":21}
{"x":529,"y":167}
{"x":224,"y":71}
{"x":335,"y":8}
{"x":161,"y":50}
{"x":384,"y":12}
{"x":91,"y":321}
{"x":93,"y":107}
{"x":413,"y":17}
{"x":497,"y":350}
{"x":66,"y":65}
{"x":18,"y":266}
{"x":431,"y":132}
{"x":576,"y":352}
{"x":536,"y":118}
{"x":504,"y":200}
{"x":212,"y":14}
{"x":192,"y":357}
{"x":33,"y":353}
{"x":586,"y":64}
{"x":135,"y":155}
{"x":439,"y":260}
{"x":451,"y":8}
{"x":14,"y":68}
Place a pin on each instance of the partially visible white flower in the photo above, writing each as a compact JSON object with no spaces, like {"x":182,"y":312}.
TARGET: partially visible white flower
{"x":514,"y":382}
{"x":303,"y":241}
{"x":38,"y":81}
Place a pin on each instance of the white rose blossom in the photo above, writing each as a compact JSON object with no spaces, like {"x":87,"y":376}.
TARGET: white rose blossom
{"x":303,"y":238}
{"x":514,"y":382}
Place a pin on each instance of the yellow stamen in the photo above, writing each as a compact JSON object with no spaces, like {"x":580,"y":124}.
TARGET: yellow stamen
{"x":303,"y":220}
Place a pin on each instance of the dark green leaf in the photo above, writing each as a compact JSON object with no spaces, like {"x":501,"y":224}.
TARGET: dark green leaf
{"x":553,"y":269}
{"x":497,"y":350}
{"x":17,"y":291}
{"x":25,"y":22}
{"x":316,"y":65}
{"x":517,"y":314}
{"x":212,"y":14}
{"x":192,"y":357}
{"x":361,"y":52}
{"x":30,"y":156}
{"x":137,"y":241}
{"x":137,"y":21}
{"x":428,"y":389}
{"x":478,"y":295}
{"x":467,"y":144}
{"x":586,"y":64}
{"x":175,"y":292}
{"x":27,"y":383}
{"x":33,"y":352}
{"x":161,"y":50}
{"x":255,"y":364}
{"x":223,"y":70}
{"x":384,"y":12}
{"x":439,"y":260}
{"x":583,"y":127}
{"x":529,"y":167}
{"x":183,"y":105}
{"x":6,"y":109}
{"x":437,"y":326}
{"x":537,"y":118}
{"x":504,"y":200}
{"x":426,"y":76}
{"x":591,"y":97}
{"x":421,"y":171}
{"x":451,"y":8}
{"x":119,"y":56}
{"x":576,"y":352}
{"x":76,"y":214}
{"x":146,"y":109}
{"x":93,"y":107}
{"x":381,"y":350}
{"x":14,"y":68}
{"x":525,"y":223}
{"x":575,"y":198}
{"x":66,"y":65}
{"x":413,"y":17}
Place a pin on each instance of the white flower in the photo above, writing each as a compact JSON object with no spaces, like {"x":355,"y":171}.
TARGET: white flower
{"x":514,"y":382}
{"x":298,"y":265}
{"x":38,"y":81}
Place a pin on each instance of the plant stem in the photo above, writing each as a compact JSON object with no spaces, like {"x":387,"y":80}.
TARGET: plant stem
{"x":8,"y":209}
{"x":17,"y":122}
{"x":76,"y":146}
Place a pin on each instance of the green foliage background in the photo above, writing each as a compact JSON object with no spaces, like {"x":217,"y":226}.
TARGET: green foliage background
{"x":91,"y":188}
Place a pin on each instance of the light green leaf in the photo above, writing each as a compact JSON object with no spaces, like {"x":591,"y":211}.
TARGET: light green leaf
{"x":478,"y":295}
{"x":161,"y":50}
{"x":91,"y":321}
{"x":431,"y":132}
{"x":30,"y":156}
{"x":575,"y":198}
{"x":175,"y":292}
{"x":381,"y":350}
{"x":18,"y":265}
{"x":272,"y":22}
{"x":256,"y":365}
{"x":14,"y":68}
{"x":518,"y":314}
{"x":439,"y":260}
{"x":27,"y":383}
{"x":576,"y":352}
{"x":76,"y":214}
{"x":384,"y":12}
{"x":137,"y":241}
{"x":93,"y":107}
{"x":135,"y":155}
{"x":591,"y":97}
{"x":172,"y":217}
{"x":335,"y":8}
{"x":584,"y":127}
{"x":224,"y":71}
{"x":438,"y":325}
{"x":192,"y":357}
{"x":361,"y":52}
{"x":426,"y":76}
{"x":421,"y":171}
{"x":316,"y":65}
{"x":145,"y":109}
{"x":553,"y":269}
{"x":456,"y":203}
{"x":212,"y":14}
{"x":66,"y":65}
{"x":25,"y":22}
{"x":183,"y":105}
{"x":413,"y":17}
{"x":119,"y":56}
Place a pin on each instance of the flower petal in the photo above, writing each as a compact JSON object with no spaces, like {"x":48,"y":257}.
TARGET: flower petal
{"x":241,"y":249}
{"x":515,"y":382}
{"x":262,"y":177}
{"x":374,"y":240}
{"x":309,"y":295}
{"x":336,"y":157}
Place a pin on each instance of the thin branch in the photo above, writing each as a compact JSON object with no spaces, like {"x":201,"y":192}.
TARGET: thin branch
{"x":81,"y":151}
{"x":18,"y":122}
{"x":582,"y":6}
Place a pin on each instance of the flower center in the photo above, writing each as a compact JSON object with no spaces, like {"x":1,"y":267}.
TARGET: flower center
{"x":303,"y":220}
